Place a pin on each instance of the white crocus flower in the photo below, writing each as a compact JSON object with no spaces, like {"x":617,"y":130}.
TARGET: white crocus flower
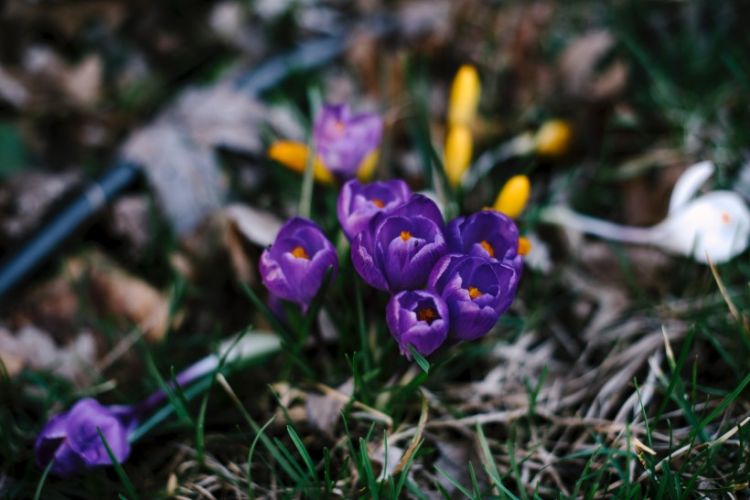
{"x":714,"y":226}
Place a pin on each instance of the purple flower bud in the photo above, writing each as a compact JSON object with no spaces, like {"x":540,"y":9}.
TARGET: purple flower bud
{"x":417,"y":318}
{"x":487,"y":234}
{"x":358,"y":203}
{"x":397,"y":251}
{"x":343,"y":141}
{"x":477,"y":290}
{"x":72,"y":441}
{"x":294,"y":266}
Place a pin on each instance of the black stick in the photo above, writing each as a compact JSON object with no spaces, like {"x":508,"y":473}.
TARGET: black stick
{"x":122,"y":174}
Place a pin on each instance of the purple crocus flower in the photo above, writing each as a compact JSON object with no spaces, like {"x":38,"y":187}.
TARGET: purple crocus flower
{"x":294,"y":266}
{"x":358,"y":203}
{"x":72,"y":440}
{"x":418,"y":318}
{"x":487,"y":234}
{"x":343,"y":141}
{"x":477,"y":290}
{"x":397,"y":251}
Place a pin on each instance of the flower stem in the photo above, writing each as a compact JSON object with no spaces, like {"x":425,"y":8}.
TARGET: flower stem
{"x":563,"y":216}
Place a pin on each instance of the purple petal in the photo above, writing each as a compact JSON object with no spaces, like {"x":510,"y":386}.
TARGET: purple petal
{"x":84,"y":419}
{"x":364,"y":263}
{"x":358,"y":203}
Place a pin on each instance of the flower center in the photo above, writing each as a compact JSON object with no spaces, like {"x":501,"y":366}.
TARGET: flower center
{"x":427,"y":314}
{"x":405,"y":235}
{"x":377,"y":202}
{"x":487,"y":247}
{"x":725,"y":218}
{"x":474,"y":292}
{"x":339,"y":127}
{"x":300,"y":253}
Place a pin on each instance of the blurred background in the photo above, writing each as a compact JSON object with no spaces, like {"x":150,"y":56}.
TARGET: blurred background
{"x":647,"y":87}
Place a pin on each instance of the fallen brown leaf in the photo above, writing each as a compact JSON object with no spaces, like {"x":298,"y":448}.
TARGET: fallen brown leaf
{"x":578,"y":68}
{"x":33,"y":348}
{"x":122,"y":295}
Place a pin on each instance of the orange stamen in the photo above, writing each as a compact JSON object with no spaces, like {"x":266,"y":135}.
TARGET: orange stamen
{"x":300,"y":253}
{"x":474,"y":292}
{"x":427,"y":314}
{"x":339,"y":126}
{"x":725,"y":218}
{"x":487,"y":247}
{"x":377,"y":202}
{"x":524,"y":246}
{"x":405,"y":235}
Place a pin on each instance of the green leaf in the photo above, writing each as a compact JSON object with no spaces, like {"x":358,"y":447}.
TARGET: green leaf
{"x":129,"y":488}
{"x":420,"y":360}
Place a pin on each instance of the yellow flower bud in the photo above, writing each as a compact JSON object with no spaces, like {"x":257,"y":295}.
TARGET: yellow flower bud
{"x":367,"y":167}
{"x":457,"y":156}
{"x":524,"y":246}
{"x":554,"y":138}
{"x":293,"y":155}
{"x":514,"y":196}
{"x":464,"y":98}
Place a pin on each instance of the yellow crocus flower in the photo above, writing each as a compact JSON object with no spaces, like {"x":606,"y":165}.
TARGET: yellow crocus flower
{"x":457,"y":156}
{"x":293,"y":155}
{"x":514,"y":196}
{"x":464,"y":98}
{"x":553,"y":138}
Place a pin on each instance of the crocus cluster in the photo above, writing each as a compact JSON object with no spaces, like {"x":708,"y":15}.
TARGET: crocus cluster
{"x":446,"y":281}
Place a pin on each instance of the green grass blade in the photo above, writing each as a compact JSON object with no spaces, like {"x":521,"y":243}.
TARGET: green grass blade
{"x":127,"y":484}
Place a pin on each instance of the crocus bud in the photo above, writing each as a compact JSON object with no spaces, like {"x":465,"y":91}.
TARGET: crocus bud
{"x":554,"y":138}
{"x":464,"y":98}
{"x":417,"y":318}
{"x":344,"y":141}
{"x":457,"y":156}
{"x":486,"y":234}
{"x":477,"y":291}
{"x":358,"y":203}
{"x":71,"y":438}
{"x":514,"y":196}
{"x":397,"y":251}
{"x":294,"y":266}
{"x":294,"y":156}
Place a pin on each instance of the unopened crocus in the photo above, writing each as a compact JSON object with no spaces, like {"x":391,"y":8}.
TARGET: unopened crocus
{"x":487,"y":234}
{"x":553,"y":139}
{"x":513,"y":196}
{"x":712,"y":227}
{"x":398,"y":250}
{"x":344,"y":141}
{"x":295,"y":155}
{"x":418,"y":319}
{"x":358,"y":203}
{"x":294,"y":266}
{"x":464,"y":97}
{"x":457,"y":155}
{"x":477,"y":291}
